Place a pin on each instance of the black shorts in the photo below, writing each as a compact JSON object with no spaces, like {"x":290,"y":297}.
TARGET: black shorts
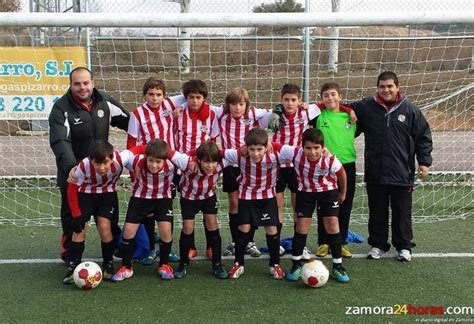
{"x":189,"y":208}
{"x":229,"y":179}
{"x":139,"y":209}
{"x":262,"y":212}
{"x":98,"y":205}
{"x":287,"y":177}
{"x":327,"y":203}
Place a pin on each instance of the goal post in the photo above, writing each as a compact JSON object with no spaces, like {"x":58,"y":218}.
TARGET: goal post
{"x":430,"y":51}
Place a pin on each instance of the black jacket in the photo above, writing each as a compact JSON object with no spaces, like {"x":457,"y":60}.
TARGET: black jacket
{"x":72,"y":129}
{"x":391,"y":141}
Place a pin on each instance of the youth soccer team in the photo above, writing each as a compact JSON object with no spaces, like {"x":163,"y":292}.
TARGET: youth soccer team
{"x":172,"y":142}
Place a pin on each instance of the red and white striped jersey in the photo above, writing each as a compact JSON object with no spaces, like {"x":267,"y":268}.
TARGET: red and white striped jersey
{"x":313,"y":176}
{"x":192,"y":131}
{"x":233,"y":130}
{"x":149,"y":185}
{"x":89,"y":181}
{"x":196,"y":186}
{"x":148,"y":123}
{"x":296,"y":124}
{"x":257,"y":180}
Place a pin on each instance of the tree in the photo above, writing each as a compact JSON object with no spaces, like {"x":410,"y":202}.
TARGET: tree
{"x":278,"y":6}
{"x":10,"y":5}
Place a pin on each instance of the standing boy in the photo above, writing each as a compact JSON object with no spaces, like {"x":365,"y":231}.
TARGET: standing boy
{"x":338,"y":132}
{"x":318,"y":177}
{"x":257,"y":203}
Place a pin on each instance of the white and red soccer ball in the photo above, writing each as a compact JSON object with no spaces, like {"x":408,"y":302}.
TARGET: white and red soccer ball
{"x":87,"y":275}
{"x":314,"y":274}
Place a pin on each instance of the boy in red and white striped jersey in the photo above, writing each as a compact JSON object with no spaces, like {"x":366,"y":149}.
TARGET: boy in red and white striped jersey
{"x":257,"y":203}
{"x":196,"y":124}
{"x":198,"y":193}
{"x":93,"y":193}
{"x":153,"y":119}
{"x":318,"y":177}
{"x":236,"y":119}
{"x":151,"y":198}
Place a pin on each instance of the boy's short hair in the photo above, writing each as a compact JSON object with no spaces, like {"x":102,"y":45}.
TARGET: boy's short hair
{"x":235,"y":96}
{"x":209,"y":152}
{"x":154,"y":83}
{"x":157,"y":148}
{"x":330,"y":86}
{"x":100,"y":150}
{"x":312,"y":135}
{"x":387,"y":75}
{"x":291,"y":89}
{"x":195,"y":86}
{"x":80,"y":68}
{"x":256,"y":136}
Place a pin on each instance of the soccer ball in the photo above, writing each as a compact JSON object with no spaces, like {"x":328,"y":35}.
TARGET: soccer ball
{"x":314,"y":274}
{"x":87,"y":275}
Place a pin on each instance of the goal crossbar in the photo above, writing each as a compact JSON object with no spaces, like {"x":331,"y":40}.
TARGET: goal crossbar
{"x":232,"y":19}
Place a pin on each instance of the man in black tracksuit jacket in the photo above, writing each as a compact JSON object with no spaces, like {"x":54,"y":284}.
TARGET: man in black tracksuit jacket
{"x":78,"y":118}
{"x":395,"y":131}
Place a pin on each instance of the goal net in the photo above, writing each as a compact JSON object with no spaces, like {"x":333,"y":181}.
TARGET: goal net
{"x":434,"y":63}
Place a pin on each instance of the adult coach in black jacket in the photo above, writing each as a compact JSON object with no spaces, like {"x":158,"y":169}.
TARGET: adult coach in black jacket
{"x":78,"y":118}
{"x":395,"y":131}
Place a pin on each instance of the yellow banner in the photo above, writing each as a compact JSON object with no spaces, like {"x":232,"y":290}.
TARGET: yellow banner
{"x":32,"y":79}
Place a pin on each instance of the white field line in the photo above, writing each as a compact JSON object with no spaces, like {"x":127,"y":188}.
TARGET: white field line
{"x":264,"y":256}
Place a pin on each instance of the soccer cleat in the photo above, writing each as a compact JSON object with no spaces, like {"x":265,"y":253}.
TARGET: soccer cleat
{"x":253,"y":250}
{"x":166,"y":272}
{"x":375,"y":253}
{"x":306,"y":256}
{"x":172,"y":257}
{"x":322,"y":250}
{"x":107,"y":270}
{"x":294,"y":274}
{"x":339,"y":273}
{"x":122,"y":274}
{"x":277,"y":272}
{"x":181,"y":271}
{"x":404,"y":255}
{"x":192,"y":253}
{"x":209,"y":253}
{"x":230,"y":250}
{"x":68,"y":278}
{"x":345,"y":252}
{"x":282,"y":251}
{"x":219,"y":271}
{"x":149,"y":259}
{"x":236,"y":271}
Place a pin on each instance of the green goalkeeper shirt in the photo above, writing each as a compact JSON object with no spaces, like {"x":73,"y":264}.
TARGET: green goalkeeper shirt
{"x":338,"y":134}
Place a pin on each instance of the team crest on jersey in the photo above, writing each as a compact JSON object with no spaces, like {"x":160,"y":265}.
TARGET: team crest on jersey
{"x":268,"y":165}
{"x":167,"y":113}
{"x":247,"y":121}
{"x":100,"y":113}
{"x":347,"y":125}
{"x":299,"y":120}
{"x":203,"y":128}
{"x":401,"y":118}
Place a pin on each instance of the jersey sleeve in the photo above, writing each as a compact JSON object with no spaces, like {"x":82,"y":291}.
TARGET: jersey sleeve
{"x":127,"y":157}
{"x":219,"y":110}
{"x":336,"y":165}
{"x":134,"y":125}
{"x":60,"y":139}
{"x":231,"y":156}
{"x":287,"y":153}
{"x":313,"y":111}
{"x":119,"y":116}
{"x":263,"y":116}
{"x":214,"y":127}
{"x":73,"y":200}
{"x":181,"y":160}
{"x":178,"y":100}
{"x":81,"y":172}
